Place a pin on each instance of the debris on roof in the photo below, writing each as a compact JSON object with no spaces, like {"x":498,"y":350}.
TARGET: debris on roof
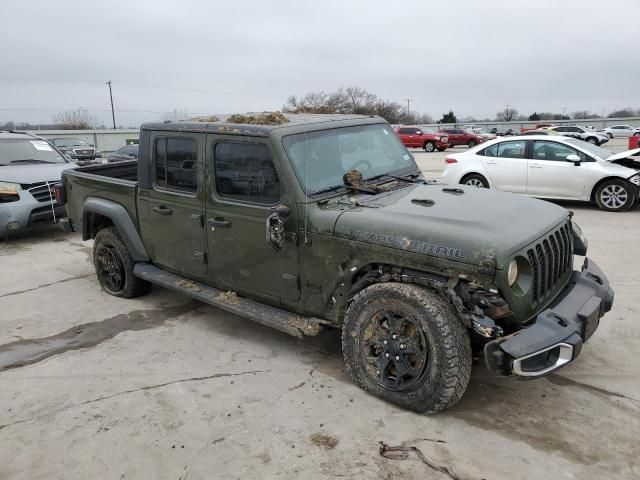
{"x":264,"y":118}
{"x":210,"y":118}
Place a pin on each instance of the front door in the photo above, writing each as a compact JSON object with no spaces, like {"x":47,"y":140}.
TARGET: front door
{"x":172,"y":209}
{"x":243,"y":186}
{"x":551,"y":175}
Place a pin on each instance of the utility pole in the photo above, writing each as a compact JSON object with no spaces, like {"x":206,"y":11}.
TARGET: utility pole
{"x":113,"y":115}
{"x":408,"y":101}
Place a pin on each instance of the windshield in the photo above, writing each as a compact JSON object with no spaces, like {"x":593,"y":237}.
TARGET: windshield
{"x":69,"y":142}
{"x":599,"y":152}
{"x":321,"y":158}
{"x":23,"y":150}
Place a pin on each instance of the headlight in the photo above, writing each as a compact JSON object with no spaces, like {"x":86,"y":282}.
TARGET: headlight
{"x":437,"y":138}
{"x":7,"y":188}
{"x":635,"y":179}
{"x":580,"y":242}
{"x":512,"y":273}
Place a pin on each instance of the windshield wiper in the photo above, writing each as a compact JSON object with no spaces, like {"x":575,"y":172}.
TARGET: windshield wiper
{"x":29,"y":160}
{"x":326,"y":190}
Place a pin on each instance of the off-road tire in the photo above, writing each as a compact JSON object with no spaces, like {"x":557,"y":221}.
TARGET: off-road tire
{"x":475,"y":180}
{"x":446,"y":374}
{"x":429,"y":146}
{"x":614,"y":184}
{"x":132,"y":286}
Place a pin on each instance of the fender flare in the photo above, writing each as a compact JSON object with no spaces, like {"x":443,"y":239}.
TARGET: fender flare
{"x":121,"y":220}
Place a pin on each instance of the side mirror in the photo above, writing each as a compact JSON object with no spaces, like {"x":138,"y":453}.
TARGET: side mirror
{"x":275,"y":233}
{"x":573,"y":158}
{"x":419,"y":132}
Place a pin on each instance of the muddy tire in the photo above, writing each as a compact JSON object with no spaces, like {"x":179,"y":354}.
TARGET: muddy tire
{"x":114,"y":266}
{"x":614,"y":195}
{"x":425,"y":363}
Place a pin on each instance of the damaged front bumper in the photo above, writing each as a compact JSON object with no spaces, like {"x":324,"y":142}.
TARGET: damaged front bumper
{"x":556,"y":336}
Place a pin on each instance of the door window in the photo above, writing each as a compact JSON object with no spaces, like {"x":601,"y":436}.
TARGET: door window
{"x":176,"y":164}
{"x":245,"y":172}
{"x":546,"y":150}
{"x":513,"y":149}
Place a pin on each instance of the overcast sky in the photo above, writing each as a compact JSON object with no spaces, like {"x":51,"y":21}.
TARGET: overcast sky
{"x":242,"y":55}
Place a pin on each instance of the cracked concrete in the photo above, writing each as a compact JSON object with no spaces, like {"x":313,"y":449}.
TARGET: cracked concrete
{"x":200,"y":393}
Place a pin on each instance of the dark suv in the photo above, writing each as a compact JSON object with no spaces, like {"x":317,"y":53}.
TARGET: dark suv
{"x":75,"y":148}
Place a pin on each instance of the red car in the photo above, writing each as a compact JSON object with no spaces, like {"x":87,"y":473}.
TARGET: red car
{"x":419,"y":137}
{"x":458,"y":136}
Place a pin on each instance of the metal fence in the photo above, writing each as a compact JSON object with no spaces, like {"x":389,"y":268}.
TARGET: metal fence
{"x":105,"y":141}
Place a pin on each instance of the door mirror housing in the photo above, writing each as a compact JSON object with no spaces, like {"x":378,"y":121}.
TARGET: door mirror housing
{"x":573,"y":158}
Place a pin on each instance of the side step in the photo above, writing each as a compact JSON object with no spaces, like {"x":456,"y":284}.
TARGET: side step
{"x":287,"y":322}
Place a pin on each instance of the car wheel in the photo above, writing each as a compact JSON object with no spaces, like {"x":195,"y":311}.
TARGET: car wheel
{"x":614,"y":195}
{"x":429,"y":146}
{"x":592,"y":140}
{"x":475,"y":180}
{"x":441,"y":149}
{"x":405,"y":344}
{"x":114,"y":266}
{"x":610,"y":135}
{"x":637,"y":134}
{"x":471,"y":143}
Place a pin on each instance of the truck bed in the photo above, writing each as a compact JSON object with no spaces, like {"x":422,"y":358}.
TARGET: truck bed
{"x":113,"y":181}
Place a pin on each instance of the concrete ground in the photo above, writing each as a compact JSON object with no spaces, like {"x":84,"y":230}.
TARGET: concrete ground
{"x":92,"y":386}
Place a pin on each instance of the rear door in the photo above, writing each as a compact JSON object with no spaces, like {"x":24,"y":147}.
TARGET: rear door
{"x":551,"y":175}
{"x":243,"y":185}
{"x":506,"y":165}
{"x":172,"y":209}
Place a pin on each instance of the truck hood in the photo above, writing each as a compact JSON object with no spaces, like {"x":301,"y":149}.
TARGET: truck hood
{"x":33,"y":173}
{"x":460,"y":223}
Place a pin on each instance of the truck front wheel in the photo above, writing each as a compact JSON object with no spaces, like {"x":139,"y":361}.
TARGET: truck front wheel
{"x":114,"y":266}
{"x":405,"y":344}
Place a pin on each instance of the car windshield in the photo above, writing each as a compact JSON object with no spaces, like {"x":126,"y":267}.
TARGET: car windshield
{"x":599,"y":152}
{"x":320,"y":159}
{"x":68,"y":142}
{"x":27,"y":150}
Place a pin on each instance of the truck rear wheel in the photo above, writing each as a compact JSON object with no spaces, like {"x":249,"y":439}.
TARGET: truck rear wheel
{"x":406,"y":345}
{"x":114,"y":266}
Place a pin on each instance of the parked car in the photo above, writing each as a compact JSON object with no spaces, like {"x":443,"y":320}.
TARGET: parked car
{"x":555,"y":168}
{"x":130,"y":152}
{"x":29,"y":168}
{"x":410,"y":271}
{"x":537,"y":127}
{"x":75,"y":148}
{"x":420,"y":137}
{"x":574,"y":131}
{"x":505,"y":133}
{"x":542,"y":131}
{"x":458,"y":136}
{"x":621,"y":131}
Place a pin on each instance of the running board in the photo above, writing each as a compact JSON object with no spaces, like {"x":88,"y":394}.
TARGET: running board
{"x":287,"y":322}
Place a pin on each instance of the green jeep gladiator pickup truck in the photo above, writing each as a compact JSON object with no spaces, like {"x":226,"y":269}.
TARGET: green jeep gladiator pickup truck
{"x":322,"y":221}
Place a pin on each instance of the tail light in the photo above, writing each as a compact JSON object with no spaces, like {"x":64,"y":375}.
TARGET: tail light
{"x":60,"y":193}
{"x":450,"y":160}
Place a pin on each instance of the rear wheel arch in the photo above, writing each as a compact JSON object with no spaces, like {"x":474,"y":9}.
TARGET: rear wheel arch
{"x":482,"y":177}
{"x":99,"y":213}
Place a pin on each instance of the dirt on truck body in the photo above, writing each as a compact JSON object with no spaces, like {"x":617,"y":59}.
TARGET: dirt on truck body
{"x":304,"y":222}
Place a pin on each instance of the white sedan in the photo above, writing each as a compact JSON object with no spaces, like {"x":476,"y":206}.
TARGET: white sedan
{"x":550,"y":167}
{"x":621,"y":131}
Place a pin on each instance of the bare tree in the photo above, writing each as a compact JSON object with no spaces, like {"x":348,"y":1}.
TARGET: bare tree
{"x":79,"y":119}
{"x":623,"y":113}
{"x":507,"y":115}
{"x":174,"y":116}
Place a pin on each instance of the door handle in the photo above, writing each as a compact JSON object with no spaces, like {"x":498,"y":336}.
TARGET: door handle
{"x":535,"y":165}
{"x":492,"y":163}
{"x":218,"y":222}
{"x":162,"y":210}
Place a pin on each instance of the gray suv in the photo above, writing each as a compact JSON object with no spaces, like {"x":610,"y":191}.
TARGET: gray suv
{"x":29,"y":167}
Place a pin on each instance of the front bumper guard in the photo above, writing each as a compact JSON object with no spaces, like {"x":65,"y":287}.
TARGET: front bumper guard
{"x":556,"y":336}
